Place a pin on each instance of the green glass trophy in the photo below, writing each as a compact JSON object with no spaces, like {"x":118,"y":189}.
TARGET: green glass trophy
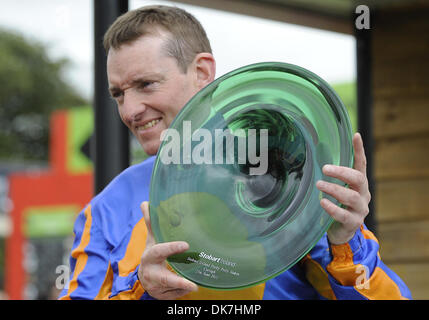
{"x":236,"y":171}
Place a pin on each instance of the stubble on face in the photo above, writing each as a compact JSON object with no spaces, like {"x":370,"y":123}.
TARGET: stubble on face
{"x":150,"y":109}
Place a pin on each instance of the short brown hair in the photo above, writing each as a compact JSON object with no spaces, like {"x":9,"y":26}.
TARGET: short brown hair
{"x":187,"y":39}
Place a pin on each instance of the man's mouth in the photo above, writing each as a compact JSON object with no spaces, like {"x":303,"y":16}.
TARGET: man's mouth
{"x":148,"y":125}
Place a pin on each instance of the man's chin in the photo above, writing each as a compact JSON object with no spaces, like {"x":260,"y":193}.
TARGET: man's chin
{"x":150,"y":149}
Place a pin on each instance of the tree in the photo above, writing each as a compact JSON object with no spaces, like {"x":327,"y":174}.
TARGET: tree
{"x":31,"y":88}
{"x":347,"y":93}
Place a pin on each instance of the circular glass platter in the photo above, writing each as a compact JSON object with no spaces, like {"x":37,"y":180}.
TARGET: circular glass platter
{"x":236,"y":171}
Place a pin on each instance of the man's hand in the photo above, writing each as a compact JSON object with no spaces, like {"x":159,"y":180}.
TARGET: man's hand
{"x":155,"y":277}
{"x":356,"y":198}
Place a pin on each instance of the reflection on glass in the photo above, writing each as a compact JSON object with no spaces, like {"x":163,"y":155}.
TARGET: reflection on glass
{"x":241,"y":187}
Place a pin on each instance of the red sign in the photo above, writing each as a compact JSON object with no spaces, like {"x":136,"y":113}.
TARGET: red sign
{"x":59,"y":186}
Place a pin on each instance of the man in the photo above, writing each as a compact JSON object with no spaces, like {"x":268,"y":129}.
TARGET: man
{"x":158,"y":58}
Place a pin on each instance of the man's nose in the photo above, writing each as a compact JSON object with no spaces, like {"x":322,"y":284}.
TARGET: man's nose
{"x":133,"y":105}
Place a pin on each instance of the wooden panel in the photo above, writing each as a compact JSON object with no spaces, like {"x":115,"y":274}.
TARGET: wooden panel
{"x":415,"y":276}
{"x":400,"y":116}
{"x":397,"y":76}
{"x":395,"y":30}
{"x":401,"y":200}
{"x":401,"y":154}
{"x":404,"y":242}
{"x":384,"y":90}
{"x":402,"y":158}
{"x":400,"y":46}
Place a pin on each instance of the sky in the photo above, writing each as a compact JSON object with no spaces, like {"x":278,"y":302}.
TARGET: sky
{"x":65,"y":27}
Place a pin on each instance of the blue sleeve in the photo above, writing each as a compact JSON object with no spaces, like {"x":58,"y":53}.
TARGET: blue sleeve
{"x":353,"y":270}
{"x":91,"y":273}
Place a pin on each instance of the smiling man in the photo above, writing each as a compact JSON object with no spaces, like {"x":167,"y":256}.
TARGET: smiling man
{"x":150,"y":87}
{"x":158,"y":58}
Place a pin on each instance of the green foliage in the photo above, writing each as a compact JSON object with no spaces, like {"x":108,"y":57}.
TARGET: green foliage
{"x":31,"y":88}
{"x":347,"y":93}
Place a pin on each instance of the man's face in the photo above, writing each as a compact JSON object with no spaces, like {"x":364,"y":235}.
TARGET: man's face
{"x":148,"y":87}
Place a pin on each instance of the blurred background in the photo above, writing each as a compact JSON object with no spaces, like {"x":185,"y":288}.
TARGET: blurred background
{"x":47,"y":74}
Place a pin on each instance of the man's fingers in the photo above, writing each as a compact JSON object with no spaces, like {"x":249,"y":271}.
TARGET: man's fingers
{"x":153,"y":272}
{"x":339,"y":214}
{"x":173,"y":294}
{"x":354,"y":178}
{"x":144,"y":206}
{"x":359,"y":154}
{"x":346,"y":196}
{"x":166,"y":284}
{"x":170,"y":281}
{"x":150,"y":240}
{"x":159,"y":252}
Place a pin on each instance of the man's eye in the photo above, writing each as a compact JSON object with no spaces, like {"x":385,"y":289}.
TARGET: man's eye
{"x":145,"y":84}
{"x":116,"y":95}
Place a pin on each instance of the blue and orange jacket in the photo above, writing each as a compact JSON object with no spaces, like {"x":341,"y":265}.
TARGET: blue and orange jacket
{"x":110,"y":237}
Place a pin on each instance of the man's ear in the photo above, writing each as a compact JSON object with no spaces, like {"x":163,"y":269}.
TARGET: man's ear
{"x":205,"y":68}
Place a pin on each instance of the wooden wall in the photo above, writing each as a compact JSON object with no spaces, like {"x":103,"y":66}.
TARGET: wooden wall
{"x":400,"y":47}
